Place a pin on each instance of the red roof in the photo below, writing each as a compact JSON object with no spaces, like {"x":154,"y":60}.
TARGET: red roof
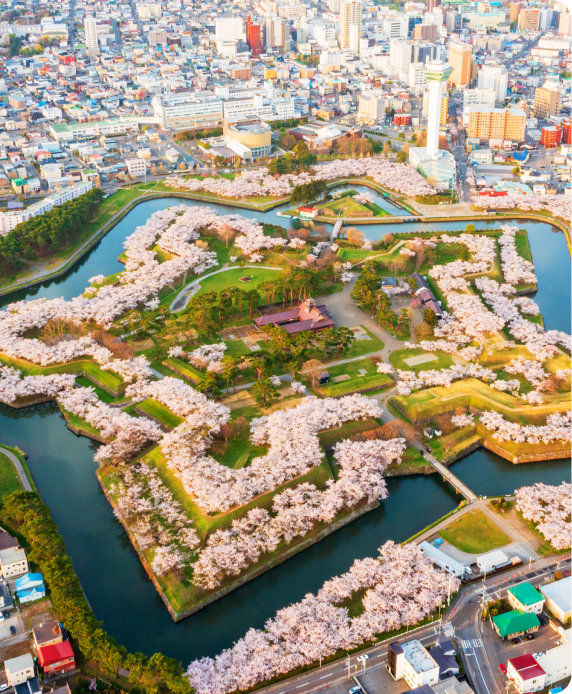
{"x":54,"y":653}
{"x":527,"y":667}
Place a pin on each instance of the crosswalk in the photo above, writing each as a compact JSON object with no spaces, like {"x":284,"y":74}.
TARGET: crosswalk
{"x":448,"y":630}
{"x":472,"y":643}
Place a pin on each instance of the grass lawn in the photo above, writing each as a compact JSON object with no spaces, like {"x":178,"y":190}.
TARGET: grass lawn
{"x":9,"y":480}
{"x":236,"y":347}
{"x":182,"y":368}
{"x":357,"y":380}
{"x":239,"y":453}
{"x":161,"y":413}
{"x":346,"y":206}
{"x":523,"y":249}
{"x":443,"y":360}
{"x":328,"y":438}
{"x":361,"y":347}
{"x":356,"y":254}
{"x":445,"y":253}
{"x":231,"y":278}
{"x":411,"y":462}
{"x":475,"y":533}
{"x":103,"y":395}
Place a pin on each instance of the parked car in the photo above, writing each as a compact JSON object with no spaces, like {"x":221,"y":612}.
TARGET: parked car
{"x":12,"y":629}
{"x":355,"y":690}
{"x":517,"y":640}
{"x":502,"y":667}
{"x":3,"y":687}
{"x":530,"y":637}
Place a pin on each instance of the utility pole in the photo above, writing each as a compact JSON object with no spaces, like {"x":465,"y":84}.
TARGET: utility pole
{"x":348,"y":664}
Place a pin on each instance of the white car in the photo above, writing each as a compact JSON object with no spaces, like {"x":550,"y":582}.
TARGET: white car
{"x":361,"y":658}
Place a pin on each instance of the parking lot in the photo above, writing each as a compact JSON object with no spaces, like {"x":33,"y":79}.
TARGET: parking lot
{"x":15,"y":620}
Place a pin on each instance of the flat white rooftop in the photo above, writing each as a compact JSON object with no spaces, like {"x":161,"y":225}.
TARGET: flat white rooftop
{"x":418,"y":656}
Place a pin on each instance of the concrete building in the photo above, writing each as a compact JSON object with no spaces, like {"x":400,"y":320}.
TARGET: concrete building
{"x":547,"y":100}
{"x":396,"y":27}
{"x":13,"y":561}
{"x":555,"y":663}
{"x":557,"y":597}
{"x":20,"y":669}
{"x":201,"y":109}
{"x":371,"y":109}
{"x":453,"y":21}
{"x":425,"y":32}
{"x":494,"y":123}
{"x":136,"y":167}
{"x":350,"y":25}
{"x":277,"y":33}
{"x":526,"y":673}
{"x":494,"y":77}
{"x":248,"y":137}
{"x":400,"y":53}
{"x":565,"y":24}
{"x":413,"y":662}
{"x":229,"y":29}
{"x":443,"y":560}
{"x":514,"y":11}
{"x":433,"y":163}
{"x":526,"y":598}
{"x":529,"y":19}
{"x":461,"y":63}
{"x":90,"y":28}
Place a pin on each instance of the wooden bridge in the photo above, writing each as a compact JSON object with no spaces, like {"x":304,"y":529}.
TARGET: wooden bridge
{"x":451,"y":478}
{"x":336,"y":229}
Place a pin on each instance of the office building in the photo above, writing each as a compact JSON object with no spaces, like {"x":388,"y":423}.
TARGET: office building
{"x":200,"y":109}
{"x":551,"y":136}
{"x":90,"y":28}
{"x":453,"y":21}
{"x":529,"y":19}
{"x":350,"y":24}
{"x":396,"y":28}
{"x":547,"y":101}
{"x":461,"y":64}
{"x":371,"y":108}
{"x":248,"y":137}
{"x":496,"y":123}
{"x":514,"y":11}
{"x":400,"y":54}
{"x":253,"y":37}
{"x":565,"y":24}
{"x":494,"y":77}
{"x":228,"y":29}
{"x":425,"y":32}
{"x":277,"y":33}
{"x":432,"y":4}
{"x":334,"y":6}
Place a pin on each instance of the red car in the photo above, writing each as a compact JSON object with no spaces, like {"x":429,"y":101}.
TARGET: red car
{"x":503,"y":668}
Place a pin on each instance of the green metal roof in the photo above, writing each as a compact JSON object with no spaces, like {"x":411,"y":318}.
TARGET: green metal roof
{"x":515,"y":622}
{"x":526,"y":594}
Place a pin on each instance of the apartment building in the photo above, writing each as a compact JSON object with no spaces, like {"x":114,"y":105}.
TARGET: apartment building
{"x":350,"y":24}
{"x":496,"y":123}
{"x":514,"y":11}
{"x":529,"y":19}
{"x":202,"y":109}
{"x":425,"y":32}
{"x":90,"y":28}
{"x":547,"y":100}
{"x":460,"y":59}
{"x":494,"y":77}
{"x":371,"y":109}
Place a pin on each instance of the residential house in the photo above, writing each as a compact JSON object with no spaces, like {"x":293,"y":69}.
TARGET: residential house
{"x":30,"y":587}
{"x":526,"y":598}
{"x":56,"y":658}
{"x":13,"y":562}
{"x":47,"y":634}
{"x":19,"y":669}
{"x":526,"y":673}
{"x":514,"y":623}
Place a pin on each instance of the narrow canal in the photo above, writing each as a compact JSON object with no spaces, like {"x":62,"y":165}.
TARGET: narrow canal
{"x":114,"y":581}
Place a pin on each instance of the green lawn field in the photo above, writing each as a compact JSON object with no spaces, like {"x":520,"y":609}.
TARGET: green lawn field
{"x":475,"y":533}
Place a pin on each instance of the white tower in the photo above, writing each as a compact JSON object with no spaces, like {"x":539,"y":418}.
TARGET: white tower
{"x":436,"y":74}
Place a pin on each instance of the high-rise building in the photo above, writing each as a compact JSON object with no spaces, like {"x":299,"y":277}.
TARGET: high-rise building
{"x":514,"y":11}
{"x":400,"y":53}
{"x":350,"y":24}
{"x":494,"y":77}
{"x":529,"y":19}
{"x":334,"y":6}
{"x":567,"y":132}
{"x":496,"y":123}
{"x":453,"y":21}
{"x":444,"y":112}
{"x":277,"y":33}
{"x":90,"y":28}
{"x":547,"y":100}
{"x":397,"y":28}
{"x":253,"y":37}
{"x":229,"y":29}
{"x":425,"y":32}
{"x":565,"y":24}
{"x":460,"y":61}
{"x":371,"y":108}
{"x":551,"y":136}
{"x":432,"y":4}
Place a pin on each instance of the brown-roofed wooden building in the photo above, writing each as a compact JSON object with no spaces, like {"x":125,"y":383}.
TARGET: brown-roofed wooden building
{"x":307,"y":316}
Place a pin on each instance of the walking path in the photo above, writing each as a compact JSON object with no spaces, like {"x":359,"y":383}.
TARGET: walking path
{"x":25,"y":482}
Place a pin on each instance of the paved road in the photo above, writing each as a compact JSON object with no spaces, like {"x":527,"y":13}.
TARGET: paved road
{"x":25,"y":482}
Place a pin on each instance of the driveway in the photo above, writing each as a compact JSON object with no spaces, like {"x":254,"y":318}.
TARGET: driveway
{"x":345,"y":311}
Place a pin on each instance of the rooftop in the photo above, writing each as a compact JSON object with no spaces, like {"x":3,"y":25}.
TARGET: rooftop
{"x":526,"y":666}
{"x":559,"y":592}
{"x":526,"y":594}
{"x":418,"y":656}
{"x":514,"y":622}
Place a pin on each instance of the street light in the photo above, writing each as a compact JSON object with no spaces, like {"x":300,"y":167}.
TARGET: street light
{"x":348,"y":664}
